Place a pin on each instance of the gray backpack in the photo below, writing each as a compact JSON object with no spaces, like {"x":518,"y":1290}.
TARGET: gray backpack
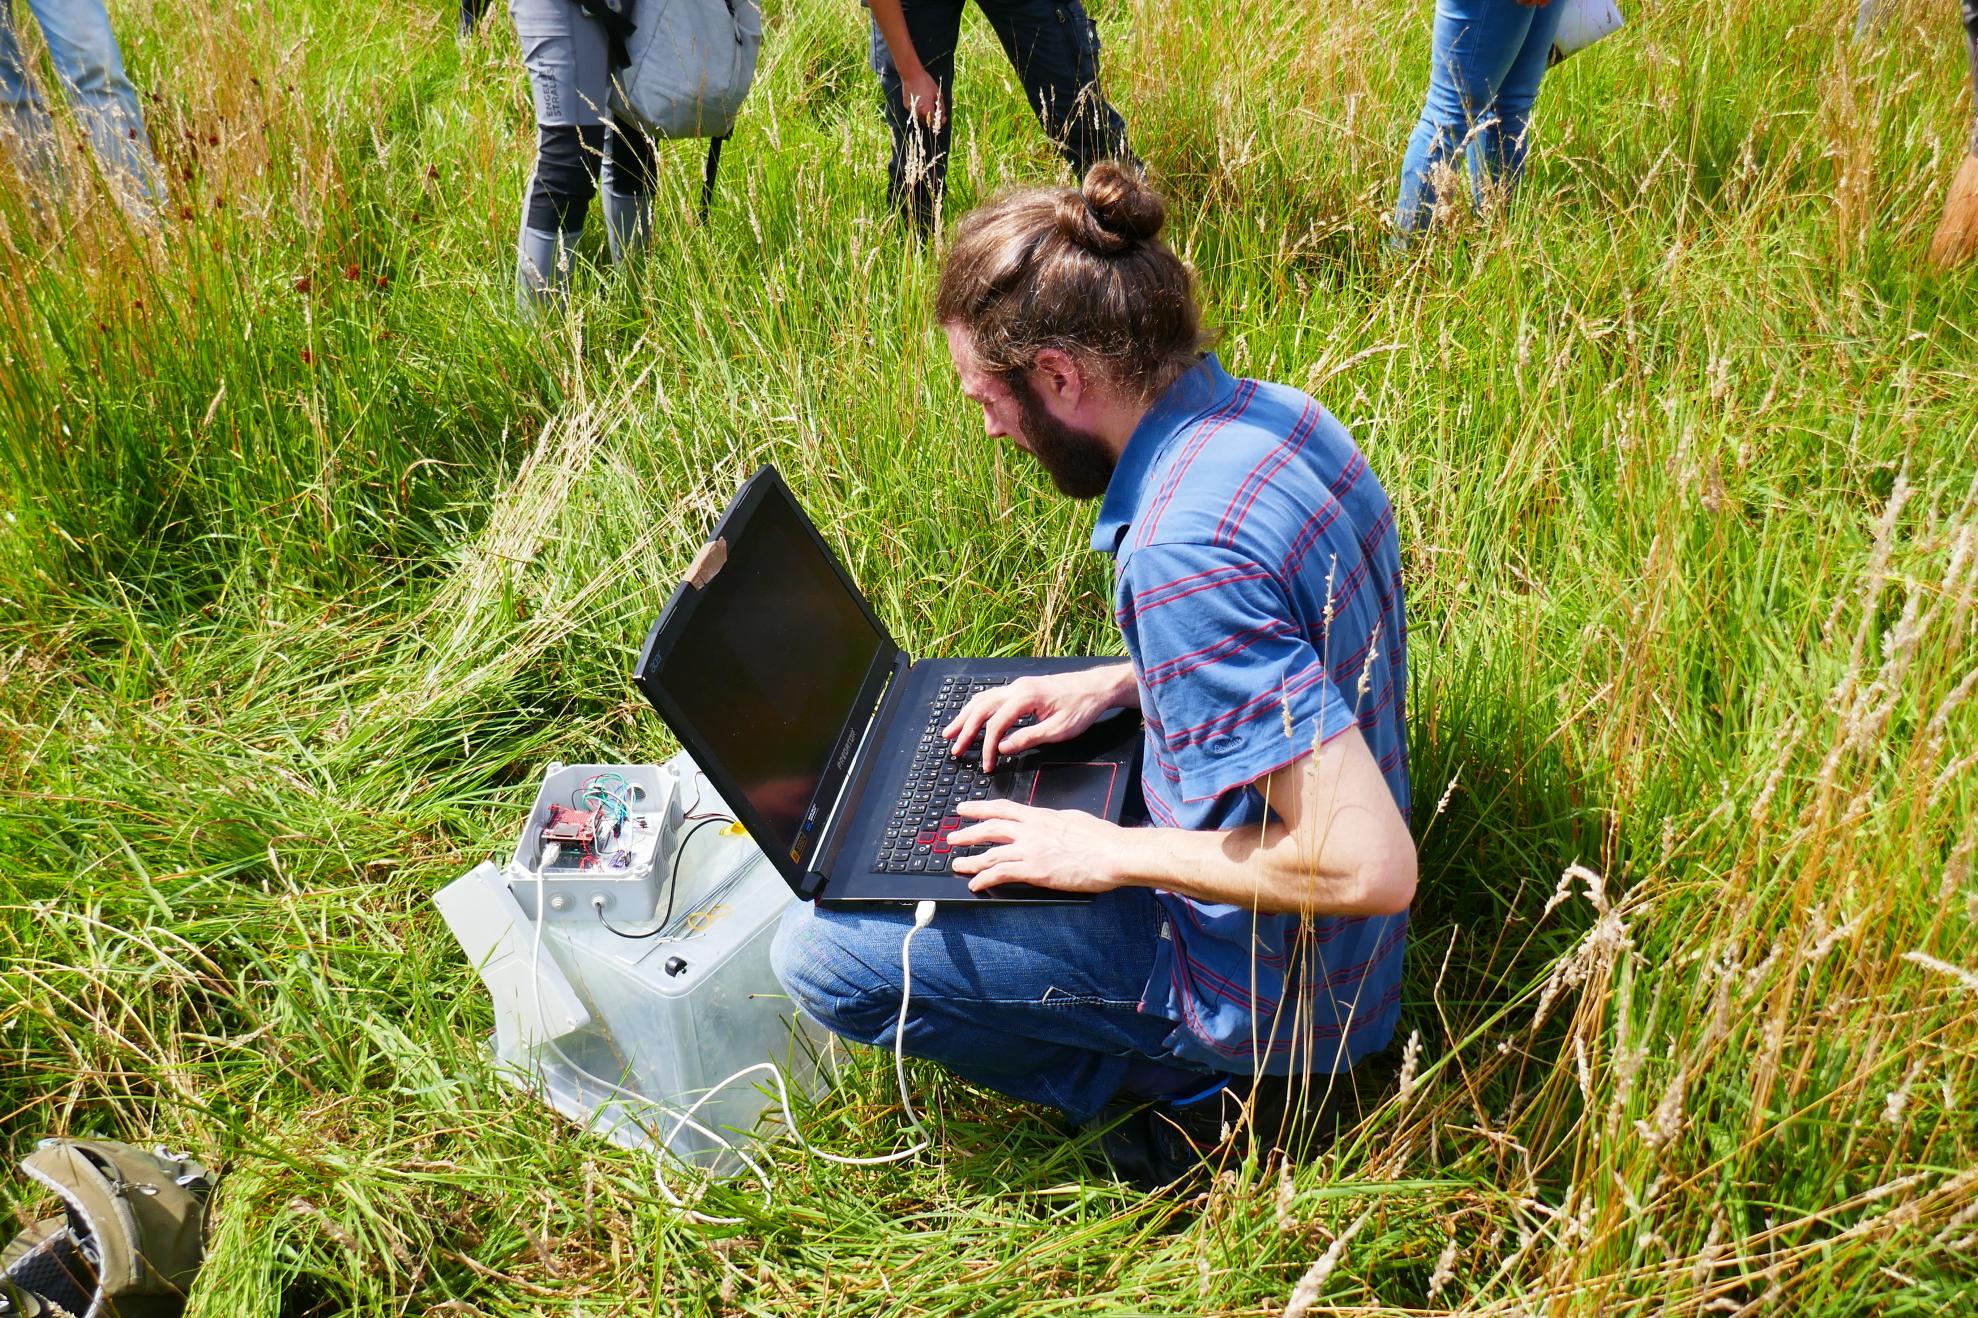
{"x":688,"y":66}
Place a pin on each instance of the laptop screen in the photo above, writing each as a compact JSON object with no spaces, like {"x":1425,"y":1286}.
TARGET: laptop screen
{"x":767,"y":666}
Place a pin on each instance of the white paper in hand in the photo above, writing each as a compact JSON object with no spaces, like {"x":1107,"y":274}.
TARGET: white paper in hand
{"x":1583,"y":23}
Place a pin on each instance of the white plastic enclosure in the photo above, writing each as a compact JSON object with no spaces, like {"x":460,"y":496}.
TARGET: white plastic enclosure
{"x":622,"y":877}
{"x":623,"y":1027}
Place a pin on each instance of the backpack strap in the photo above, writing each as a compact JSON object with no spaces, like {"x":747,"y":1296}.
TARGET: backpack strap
{"x":615,"y":17}
{"x":708,"y":172}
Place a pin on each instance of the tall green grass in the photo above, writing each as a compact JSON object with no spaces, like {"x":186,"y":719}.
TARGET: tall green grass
{"x":311,"y":553}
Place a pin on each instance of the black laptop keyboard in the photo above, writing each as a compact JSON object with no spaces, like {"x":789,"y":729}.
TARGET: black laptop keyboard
{"x":916,"y":837}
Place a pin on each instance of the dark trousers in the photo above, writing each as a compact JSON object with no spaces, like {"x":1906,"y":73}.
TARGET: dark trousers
{"x":1054,"y":49}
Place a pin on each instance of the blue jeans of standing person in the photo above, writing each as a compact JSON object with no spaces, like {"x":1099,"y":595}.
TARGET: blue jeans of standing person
{"x":1054,"y":49}
{"x":1041,"y":1003}
{"x":91,"y":69}
{"x":1483,"y":79}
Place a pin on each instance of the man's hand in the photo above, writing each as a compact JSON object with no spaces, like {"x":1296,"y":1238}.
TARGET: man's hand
{"x":917,"y":86}
{"x":1063,"y":705}
{"x":1065,"y":850}
{"x":923,"y":97}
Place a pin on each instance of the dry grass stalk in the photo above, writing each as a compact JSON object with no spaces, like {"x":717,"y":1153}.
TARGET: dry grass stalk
{"x":1306,"y":1293}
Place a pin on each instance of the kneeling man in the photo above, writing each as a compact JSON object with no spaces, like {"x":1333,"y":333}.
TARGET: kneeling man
{"x":1244,"y":949}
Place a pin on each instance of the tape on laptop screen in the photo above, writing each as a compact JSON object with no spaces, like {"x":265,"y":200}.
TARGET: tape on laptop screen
{"x":712,"y":558}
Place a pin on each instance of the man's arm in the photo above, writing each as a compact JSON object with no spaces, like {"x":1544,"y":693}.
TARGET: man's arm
{"x":921,"y":92}
{"x":1338,"y":845}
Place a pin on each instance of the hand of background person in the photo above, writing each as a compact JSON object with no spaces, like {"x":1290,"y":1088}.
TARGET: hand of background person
{"x":923,"y":97}
{"x":1064,"y":850}
{"x":1063,"y":705}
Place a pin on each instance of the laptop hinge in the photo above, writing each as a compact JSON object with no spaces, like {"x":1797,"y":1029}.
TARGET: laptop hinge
{"x":827,"y":837}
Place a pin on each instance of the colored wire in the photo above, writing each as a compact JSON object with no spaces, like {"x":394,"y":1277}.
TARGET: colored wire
{"x":672,"y":885}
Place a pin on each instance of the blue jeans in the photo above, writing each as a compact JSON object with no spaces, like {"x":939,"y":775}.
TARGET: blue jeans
{"x":91,"y":69}
{"x":1483,"y":78}
{"x":1038,"y":1002}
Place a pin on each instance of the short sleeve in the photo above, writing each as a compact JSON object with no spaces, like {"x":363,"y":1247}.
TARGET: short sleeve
{"x":1230,"y":685}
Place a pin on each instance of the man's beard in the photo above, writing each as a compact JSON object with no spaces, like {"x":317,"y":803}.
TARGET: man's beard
{"x":1077,"y":461}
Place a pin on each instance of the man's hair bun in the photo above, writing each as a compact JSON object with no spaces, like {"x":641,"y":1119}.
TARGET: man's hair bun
{"x":1082,"y":270}
{"x":1112,"y":212}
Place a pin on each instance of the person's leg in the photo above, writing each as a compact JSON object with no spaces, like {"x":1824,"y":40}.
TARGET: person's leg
{"x":1475,"y":43}
{"x":23,"y":117}
{"x":565,"y":54}
{"x":919,"y":167}
{"x":1054,"y":49}
{"x":629,"y":170}
{"x":1038,"y":1002}
{"x":1497,"y":148}
{"x":470,"y":15}
{"x":84,"y":52}
{"x":1971,"y":57}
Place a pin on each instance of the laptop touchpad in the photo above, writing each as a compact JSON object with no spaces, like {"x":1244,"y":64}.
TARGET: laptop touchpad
{"x":1087,"y":787}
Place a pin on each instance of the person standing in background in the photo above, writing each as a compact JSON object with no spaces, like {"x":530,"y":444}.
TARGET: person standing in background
{"x":84,"y":52}
{"x":1489,"y":56}
{"x":579,"y":143}
{"x":1054,"y":49}
{"x":470,"y":15}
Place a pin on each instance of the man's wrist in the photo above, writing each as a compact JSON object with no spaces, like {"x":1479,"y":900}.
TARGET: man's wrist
{"x":1136,"y":860}
{"x":1124,"y":691}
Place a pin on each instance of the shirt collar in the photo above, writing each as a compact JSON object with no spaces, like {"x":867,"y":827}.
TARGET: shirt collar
{"x":1202,"y":388}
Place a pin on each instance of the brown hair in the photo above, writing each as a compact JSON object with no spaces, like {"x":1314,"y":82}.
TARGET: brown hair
{"x":1082,"y":270}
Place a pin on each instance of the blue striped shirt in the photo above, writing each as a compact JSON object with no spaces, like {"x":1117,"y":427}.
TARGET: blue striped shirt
{"x":1258,"y":587}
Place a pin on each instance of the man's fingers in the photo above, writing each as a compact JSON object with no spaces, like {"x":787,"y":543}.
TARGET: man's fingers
{"x":1001,"y":872}
{"x":1000,"y":808}
{"x":977,"y":864}
{"x":1043,"y":733}
{"x":995,"y":730}
{"x":989,"y":830}
{"x":961,"y":731}
{"x":975,"y":716}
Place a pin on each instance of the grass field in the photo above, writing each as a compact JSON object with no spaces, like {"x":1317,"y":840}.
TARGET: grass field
{"x":312,"y":553}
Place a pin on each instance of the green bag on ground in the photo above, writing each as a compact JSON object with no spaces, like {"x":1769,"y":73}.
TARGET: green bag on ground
{"x":130,"y":1240}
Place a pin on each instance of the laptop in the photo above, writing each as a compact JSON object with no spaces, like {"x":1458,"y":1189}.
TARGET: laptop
{"x":824,"y":735}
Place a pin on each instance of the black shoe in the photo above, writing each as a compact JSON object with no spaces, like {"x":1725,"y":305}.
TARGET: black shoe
{"x":1159,"y":1144}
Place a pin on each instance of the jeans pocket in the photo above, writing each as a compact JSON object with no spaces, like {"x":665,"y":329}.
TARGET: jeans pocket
{"x":1057,"y":997}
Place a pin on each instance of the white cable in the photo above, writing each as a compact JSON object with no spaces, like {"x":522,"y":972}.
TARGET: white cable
{"x":685,"y":1119}
{"x":923,"y":915}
